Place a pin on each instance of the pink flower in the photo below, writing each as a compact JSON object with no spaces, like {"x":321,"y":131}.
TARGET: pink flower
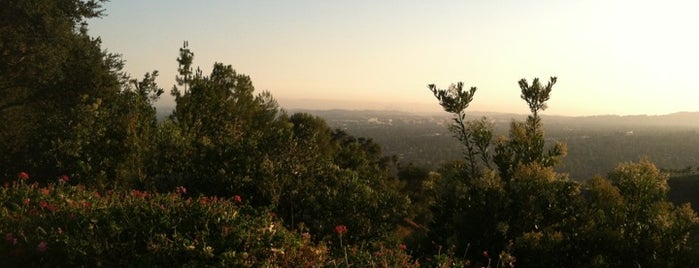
{"x":23,"y":176}
{"x":140,"y":194}
{"x":181,"y":190}
{"x":26,"y":201}
{"x":10,"y":238}
{"x":42,"y":246}
{"x":341,"y":229}
{"x":48,"y":206}
{"x":59,"y":230}
{"x":238,"y":199}
{"x":45,"y":191}
{"x":64,"y":178}
{"x":306,"y":235}
{"x":403,"y":247}
{"x":485,"y":254}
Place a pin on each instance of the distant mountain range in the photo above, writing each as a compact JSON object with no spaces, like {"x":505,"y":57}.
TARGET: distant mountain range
{"x":680,"y":119}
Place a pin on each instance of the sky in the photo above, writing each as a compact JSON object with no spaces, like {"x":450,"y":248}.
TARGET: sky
{"x":610,"y":57}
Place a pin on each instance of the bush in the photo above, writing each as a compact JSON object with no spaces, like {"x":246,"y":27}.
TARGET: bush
{"x":61,"y":224}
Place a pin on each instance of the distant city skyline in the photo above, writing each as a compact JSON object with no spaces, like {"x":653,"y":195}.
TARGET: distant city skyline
{"x":610,"y":57}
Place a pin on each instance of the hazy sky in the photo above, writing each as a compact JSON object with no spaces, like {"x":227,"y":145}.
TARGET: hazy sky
{"x":610,"y":57}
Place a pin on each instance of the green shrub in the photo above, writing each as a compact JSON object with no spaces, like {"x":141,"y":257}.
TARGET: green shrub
{"x":63,"y":225}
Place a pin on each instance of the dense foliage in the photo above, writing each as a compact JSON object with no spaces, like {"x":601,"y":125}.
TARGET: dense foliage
{"x":230,"y":179}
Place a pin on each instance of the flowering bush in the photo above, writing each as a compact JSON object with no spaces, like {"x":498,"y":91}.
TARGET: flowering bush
{"x":60,"y":224}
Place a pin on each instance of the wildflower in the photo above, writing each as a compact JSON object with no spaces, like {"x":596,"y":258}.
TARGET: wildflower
{"x":181,"y":190}
{"x":26,"y":201}
{"x":59,"y":230}
{"x":46,"y":205}
{"x":202,"y":200}
{"x":238,"y":199}
{"x":340,"y":229}
{"x":42,"y":246}
{"x":24,"y":176}
{"x":403,"y":247}
{"x":306,"y":235}
{"x":140,"y":194}
{"x":485,"y":254}
{"x":64,"y":178}
{"x":45,"y":191}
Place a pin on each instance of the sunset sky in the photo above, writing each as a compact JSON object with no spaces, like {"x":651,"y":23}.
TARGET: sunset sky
{"x":610,"y":57}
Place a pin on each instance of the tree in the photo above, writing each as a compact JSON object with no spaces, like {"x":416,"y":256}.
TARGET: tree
{"x":526,"y":142}
{"x":482,"y":208}
{"x":474,"y":135}
{"x":228,"y":135}
{"x":626,"y":219}
{"x":58,"y":87}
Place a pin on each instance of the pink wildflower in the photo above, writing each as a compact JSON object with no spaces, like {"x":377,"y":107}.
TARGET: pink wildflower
{"x":64,"y":178}
{"x":238,"y":199}
{"x":47,"y":206}
{"x":403,"y":247}
{"x":140,"y":194}
{"x":341,"y":229}
{"x":24,"y":176}
{"x":42,"y":246}
{"x":9,"y":237}
{"x":181,"y":190}
{"x":306,"y":235}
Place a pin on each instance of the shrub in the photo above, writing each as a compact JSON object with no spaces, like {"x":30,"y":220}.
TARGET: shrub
{"x":62,"y":224}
